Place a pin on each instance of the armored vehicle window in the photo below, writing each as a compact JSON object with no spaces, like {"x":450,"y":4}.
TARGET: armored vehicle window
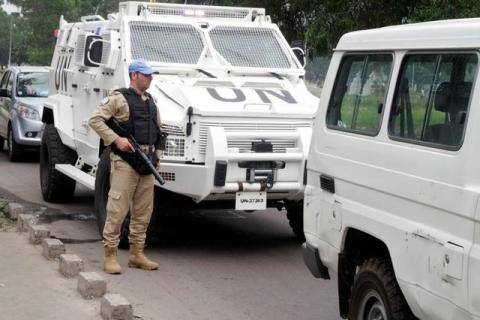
{"x":431,"y":99}
{"x":249,"y":47}
{"x":359,"y":94}
{"x":166,"y":42}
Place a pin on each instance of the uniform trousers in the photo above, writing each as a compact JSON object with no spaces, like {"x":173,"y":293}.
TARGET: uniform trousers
{"x":129,"y":191}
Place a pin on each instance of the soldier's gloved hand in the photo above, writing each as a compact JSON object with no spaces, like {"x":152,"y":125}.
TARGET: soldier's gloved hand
{"x":123,"y":144}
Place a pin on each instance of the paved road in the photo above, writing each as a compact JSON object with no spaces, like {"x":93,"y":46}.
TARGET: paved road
{"x":31,"y":287}
{"x":213,"y":264}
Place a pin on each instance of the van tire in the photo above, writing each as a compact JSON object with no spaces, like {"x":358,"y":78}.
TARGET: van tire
{"x":376,"y":293}
{"x":102,"y":186}
{"x":56,"y":187}
{"x":295,"y":220}
{"x":15,"y":151}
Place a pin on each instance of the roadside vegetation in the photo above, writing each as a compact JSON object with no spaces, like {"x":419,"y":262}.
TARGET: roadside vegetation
{"x":6,"y":224}
{"x":318,"y":23}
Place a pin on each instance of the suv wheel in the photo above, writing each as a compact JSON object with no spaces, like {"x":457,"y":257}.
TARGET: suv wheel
{"x":376,"y":294}
{"x":102,"y":186}
{"x":56,"y":187}
{"x":295,"y":219}
{"x":15,"y":151}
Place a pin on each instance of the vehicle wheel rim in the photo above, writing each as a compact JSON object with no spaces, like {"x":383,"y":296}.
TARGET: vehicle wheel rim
{"x":372,"y":307}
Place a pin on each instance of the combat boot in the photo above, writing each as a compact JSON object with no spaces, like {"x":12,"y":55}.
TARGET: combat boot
{"x":138,"y":260}
{"x":110,"y":263}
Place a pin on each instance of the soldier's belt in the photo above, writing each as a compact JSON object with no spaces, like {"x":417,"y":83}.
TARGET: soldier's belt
{"x":147,"y":149}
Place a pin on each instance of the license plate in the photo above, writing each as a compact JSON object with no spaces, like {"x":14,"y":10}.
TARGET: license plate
{"x":251,"y":201}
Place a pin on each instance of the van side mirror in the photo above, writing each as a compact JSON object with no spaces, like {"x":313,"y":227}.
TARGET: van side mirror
{"x":93,"y":51}
{"x":298,"y":48}
{"x":4,"y":93}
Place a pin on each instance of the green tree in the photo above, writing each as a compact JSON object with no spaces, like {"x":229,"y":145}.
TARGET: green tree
{"x":330,"y":19}
{"x":100,"y":7}
{"x":430,"y":10}
{"x":14,"y":24}
{"x":43,"y":17}
{"x":4,"y":37}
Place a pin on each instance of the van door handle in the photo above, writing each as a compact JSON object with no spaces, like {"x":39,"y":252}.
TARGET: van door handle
{"x":327,"y":183}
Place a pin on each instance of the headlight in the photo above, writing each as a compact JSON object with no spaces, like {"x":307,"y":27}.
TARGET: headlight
{"x":27,"y":112}
{"x":175,"y":147}
{"x":175,"y":144}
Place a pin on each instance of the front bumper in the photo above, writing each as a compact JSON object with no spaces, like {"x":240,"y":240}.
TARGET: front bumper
{"x":311,"y":257}
{"x":27,"y":131}
{"x":227,"y":169}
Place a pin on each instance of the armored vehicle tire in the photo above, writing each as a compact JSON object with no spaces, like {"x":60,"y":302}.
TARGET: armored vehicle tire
{"x":295,"y":219}
{"x":15,"y":150}
{"x":56,"y":187}
{"x":376,"y":294}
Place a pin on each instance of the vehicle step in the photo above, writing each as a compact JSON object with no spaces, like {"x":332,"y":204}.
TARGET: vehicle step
{"x":77,"y":175}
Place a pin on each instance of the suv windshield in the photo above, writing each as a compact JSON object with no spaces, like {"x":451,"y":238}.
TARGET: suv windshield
{"x":228,"y":46}
{"x":32,"y":84}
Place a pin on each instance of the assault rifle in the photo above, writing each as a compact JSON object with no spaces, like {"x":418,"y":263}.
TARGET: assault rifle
{"x":115,"y":126}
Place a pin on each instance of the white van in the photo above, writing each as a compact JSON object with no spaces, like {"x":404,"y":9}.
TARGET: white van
{"x":393,"y":182}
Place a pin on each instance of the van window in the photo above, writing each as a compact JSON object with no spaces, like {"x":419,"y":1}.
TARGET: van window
{"x":359,"y":94}
{"x":432,"y":97}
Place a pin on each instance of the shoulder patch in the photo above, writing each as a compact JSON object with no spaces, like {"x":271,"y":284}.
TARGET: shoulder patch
{"x":105,"y":100}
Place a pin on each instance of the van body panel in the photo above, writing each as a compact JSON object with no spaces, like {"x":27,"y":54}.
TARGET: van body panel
{"x":400,"y":185}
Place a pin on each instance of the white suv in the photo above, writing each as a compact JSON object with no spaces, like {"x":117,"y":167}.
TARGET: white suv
{"x":392,"y":201}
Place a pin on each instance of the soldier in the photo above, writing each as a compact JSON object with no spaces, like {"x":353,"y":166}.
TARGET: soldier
{"x":131,"y":183}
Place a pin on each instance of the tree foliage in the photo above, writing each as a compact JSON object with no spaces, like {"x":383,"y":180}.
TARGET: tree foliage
{"x":320,"y":23}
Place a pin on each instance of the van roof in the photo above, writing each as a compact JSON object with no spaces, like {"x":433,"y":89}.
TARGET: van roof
{"x":442,"y":34}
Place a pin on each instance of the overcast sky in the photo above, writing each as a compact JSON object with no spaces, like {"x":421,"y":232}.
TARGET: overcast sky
{"x":9,"y":8}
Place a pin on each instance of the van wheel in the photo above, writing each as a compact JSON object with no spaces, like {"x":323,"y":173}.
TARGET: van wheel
{"x":56,"y":187}
{"x":15,"y":150}
{"x":102,"y":186}
{"x":295,"y":219}
{"x":376,"y":294}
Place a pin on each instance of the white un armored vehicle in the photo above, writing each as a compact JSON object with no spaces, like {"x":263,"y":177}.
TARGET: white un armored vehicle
{"x":231,"y":96}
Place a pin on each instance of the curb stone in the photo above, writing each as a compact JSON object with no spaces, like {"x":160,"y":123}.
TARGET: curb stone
{"x":112,"y":306}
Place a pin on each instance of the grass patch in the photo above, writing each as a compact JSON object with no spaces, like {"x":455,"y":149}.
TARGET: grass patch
{"x":6,"y":224}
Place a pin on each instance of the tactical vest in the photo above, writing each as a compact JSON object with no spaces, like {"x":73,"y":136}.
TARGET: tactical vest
{"x":142,"y":125}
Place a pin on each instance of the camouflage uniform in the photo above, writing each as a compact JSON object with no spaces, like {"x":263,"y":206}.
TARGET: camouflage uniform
{"x":128,"y":189}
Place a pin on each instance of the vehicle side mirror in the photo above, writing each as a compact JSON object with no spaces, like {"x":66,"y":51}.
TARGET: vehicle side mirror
{"x":93,"y":51}
{"x":298,"y":48}
{"x":4,"y":93}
